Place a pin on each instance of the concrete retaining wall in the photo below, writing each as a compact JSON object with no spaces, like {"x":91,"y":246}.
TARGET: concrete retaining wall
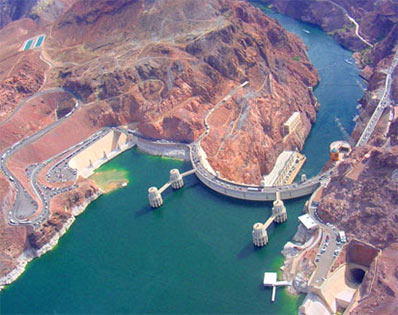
{"x":173,"y":150}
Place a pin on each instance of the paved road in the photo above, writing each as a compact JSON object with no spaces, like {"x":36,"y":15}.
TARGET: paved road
{"x":384,"y":102}
{"x":329,"y":245}
{"x":251,"y":192}
{"x":25,"y":206}
{"x":241,"y":191}
{"x":23,"y":103}
{"x":353,"y":21}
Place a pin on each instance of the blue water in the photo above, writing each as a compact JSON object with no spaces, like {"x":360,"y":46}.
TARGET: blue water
{"x":28,"y":44}
{"x":39,"y":41}
{"x":194,"y":254}
{"x":337,"y":93}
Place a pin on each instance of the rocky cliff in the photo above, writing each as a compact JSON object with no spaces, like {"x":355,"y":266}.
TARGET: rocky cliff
{"x":167,"y":76}
{"x":62,"y":211}
{"x":375,"y":40}
{"x":376,"y":19}
{"x":378,"y":293}
{"x":362,"y":200}
{"x":363,"y":196}
{"x":12,"y":239}
{"x":42,"y":11}
{"x":12,"y":10}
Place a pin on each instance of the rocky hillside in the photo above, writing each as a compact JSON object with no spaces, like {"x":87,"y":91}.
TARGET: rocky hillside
{"x":376,"y":19}
{"x":378,"y":292}
{"x":42,"y":11}
{"x":167,"y":76}
{"x":363,"y":196}
{"x":12,"y":10}
{"x":160,"y":67}
{"x":378,"y":26}
{"x":362,"y":200}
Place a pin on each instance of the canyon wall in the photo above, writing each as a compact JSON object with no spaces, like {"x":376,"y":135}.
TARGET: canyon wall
{"x":168,"y":79}
{"x":165,"y":77}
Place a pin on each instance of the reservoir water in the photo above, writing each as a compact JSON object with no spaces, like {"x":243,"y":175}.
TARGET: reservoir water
{"x":194,"y":254}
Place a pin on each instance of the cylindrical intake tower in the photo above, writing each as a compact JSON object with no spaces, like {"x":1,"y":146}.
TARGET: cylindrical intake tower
{"x":260,"y":236}
{"x":176,"y":179}
{"x":279,"y":210}
{"x":155,"y":198}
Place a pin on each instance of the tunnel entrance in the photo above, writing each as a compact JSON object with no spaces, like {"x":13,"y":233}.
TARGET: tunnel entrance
{"x":357,"y":275}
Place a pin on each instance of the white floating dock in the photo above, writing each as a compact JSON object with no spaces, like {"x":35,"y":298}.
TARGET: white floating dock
{"x":273,"y":294}
{"x":270,"y":280}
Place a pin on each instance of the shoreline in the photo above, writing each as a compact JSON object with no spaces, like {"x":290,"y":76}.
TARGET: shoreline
{"x":28,"y":255}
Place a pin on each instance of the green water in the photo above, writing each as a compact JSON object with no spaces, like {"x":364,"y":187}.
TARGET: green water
{"x":192,"y":255}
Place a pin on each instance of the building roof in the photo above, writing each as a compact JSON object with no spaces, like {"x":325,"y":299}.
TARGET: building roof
{"x":280,"y":163}
{"x":270,"y":278}
{"x":307,"y":221}
{"x":338,"y":145}
{"x":292,"y":118}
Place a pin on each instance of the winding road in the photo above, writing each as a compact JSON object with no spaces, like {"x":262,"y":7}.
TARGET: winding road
{"x":25,"y":209}
{"x":23,"y":103}
{"x":352,"y":20}
{"x":25,"y":206}
{"x":242,"y":191}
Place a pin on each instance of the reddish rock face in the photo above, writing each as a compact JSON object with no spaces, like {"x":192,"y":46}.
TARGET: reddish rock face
{"x":363,"y":198}
{"x":376,"y":19}
{"x":378,"y":24}
{"x":41,"y":11}
{"x":24,"y":80}
{"x":168,"y":76}
{"x":379,"y":290}
{"x":61,"y":211}
{"x":12,"y":10}
{"x":12,"y":239}
{"x":127,"y":66}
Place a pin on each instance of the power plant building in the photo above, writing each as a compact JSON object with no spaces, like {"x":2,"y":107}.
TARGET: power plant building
{"x":339,"y":150}
{"x":292,"y":123}
{"x":286,"y":168}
